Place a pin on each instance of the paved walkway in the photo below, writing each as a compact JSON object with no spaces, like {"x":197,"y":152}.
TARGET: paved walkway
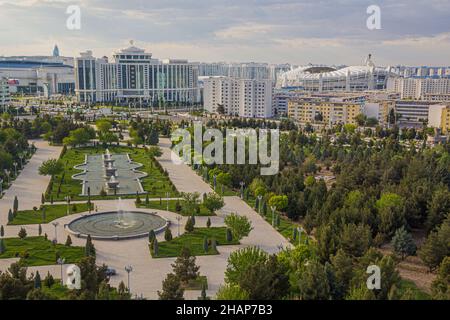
{"x":148,"y":273}
{"x":29,"y":186}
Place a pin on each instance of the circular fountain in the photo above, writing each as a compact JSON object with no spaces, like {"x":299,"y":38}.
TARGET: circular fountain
{"x":117,"y":225}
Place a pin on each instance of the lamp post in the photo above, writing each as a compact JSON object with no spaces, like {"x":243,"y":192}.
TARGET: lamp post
{"x":1,"y":187}
{"x":68,"y":205}
{"x":273,"y":208}
{"x":61,"y":262}
{"x":15,"y":168}
{"x":179,"y":220}
{"x":215,"y":181}
{"x":56,"y":224}
{"x":167,"y":199}
{"x":259,"y":203}
{"x":242,"y":183}
{"x":129,"y":269}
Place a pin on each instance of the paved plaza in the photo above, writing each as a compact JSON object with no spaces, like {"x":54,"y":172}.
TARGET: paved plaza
{"x":148,"y":273}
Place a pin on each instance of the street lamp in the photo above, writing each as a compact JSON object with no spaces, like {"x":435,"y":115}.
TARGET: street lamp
{"x":61,"y":262}
{"x":56,"y":224}
{"x":129,"y":269}
{"x":68,"y":205}
{"x":15,"y":168}
{"x":178,"y":219}
{"x":273,"y":215}
{"x":242,"y":183}
{"x":259,"y":203}
{"x":215,"y":181}
{"x":7,"y":173}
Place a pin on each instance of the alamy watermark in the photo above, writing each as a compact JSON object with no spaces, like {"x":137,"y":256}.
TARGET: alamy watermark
{"x":234,"y":142}
{"x":73,"y":22}
{"x":374,"y":280}
{"x":374,"y":20}
{"x":73,"y":277}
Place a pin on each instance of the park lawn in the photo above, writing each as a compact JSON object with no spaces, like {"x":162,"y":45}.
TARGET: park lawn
{"x":156,"y":183}
{"x":172,"y":207}
{"x":194,"y":241}
{"x":41,"y":252}
{"x":52,"y":212}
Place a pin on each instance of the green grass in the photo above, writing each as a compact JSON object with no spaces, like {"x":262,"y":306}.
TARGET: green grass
{"x":52,"y":212}
{"x":194,"y":241}
{"x":41,"y":252}
{"x":409,"y":285}
{"x":172,"y":207}
{"x":156,"y":183}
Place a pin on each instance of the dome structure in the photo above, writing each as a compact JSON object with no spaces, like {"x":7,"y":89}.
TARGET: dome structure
{"x":319,"y":78}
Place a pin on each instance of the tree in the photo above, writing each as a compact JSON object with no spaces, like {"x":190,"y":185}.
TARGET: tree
{"x":78,"y":137}
{"x":10,"y":216}
{"x":205,"y":244}
{"x":355,"y":240}
{"x":49,"y":281}
{"x":208,"y":222}
{"x":231,"y":292}
{"x":168,"y":234}
{"x":103,"y":125}
{"x":191,"y":202}
{"x":229,"y":235}
{"x":39,"y":230}
{"x":171,"y":288}
{"x":433,"y":251}
{"x":37,"y":281}
{"x":154,"y":152}
{"x":184,"y":266}
{"x":213,"y":202}
{"x":189,"y":227}
{"x":51,"y":167}
{"x":438,"y":208}
{"x":240,"y":226}
{"x":22,"y":233}
{"x":240,"y":261}
{"x":266,"y":280}
{"x":279,"y":202}
{"x":68,"y":241}
{"x":440,"y":287}
{"x":342,"y":267}
{"x":391,"y":212}
{"x":2,"y":246}
{"x":2,"y":231}
{"x":313,"y":282}
{"x":42,"y":199}
{"x":89,"y":249}
{"x":15,"y":205}
{"x":403,"y":243}
{"x":151,"y":236}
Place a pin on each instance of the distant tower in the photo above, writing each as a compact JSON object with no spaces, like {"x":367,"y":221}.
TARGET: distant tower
{"x":56,"y":51}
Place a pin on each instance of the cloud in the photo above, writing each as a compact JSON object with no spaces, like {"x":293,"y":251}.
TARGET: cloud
{"x":297,"y":31}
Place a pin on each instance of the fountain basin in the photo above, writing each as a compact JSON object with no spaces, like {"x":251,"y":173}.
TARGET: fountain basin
{"x":117,"y":225}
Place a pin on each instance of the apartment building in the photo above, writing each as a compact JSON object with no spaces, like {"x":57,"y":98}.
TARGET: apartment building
{"x":439,"y":117}
{"x":314,"y":111}
{"x":240,"y":97}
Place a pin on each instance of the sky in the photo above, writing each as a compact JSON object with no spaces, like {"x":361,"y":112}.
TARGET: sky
{"x":413,"y":32}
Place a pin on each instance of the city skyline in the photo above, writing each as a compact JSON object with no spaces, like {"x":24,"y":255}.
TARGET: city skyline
{"x":297,"y":32}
